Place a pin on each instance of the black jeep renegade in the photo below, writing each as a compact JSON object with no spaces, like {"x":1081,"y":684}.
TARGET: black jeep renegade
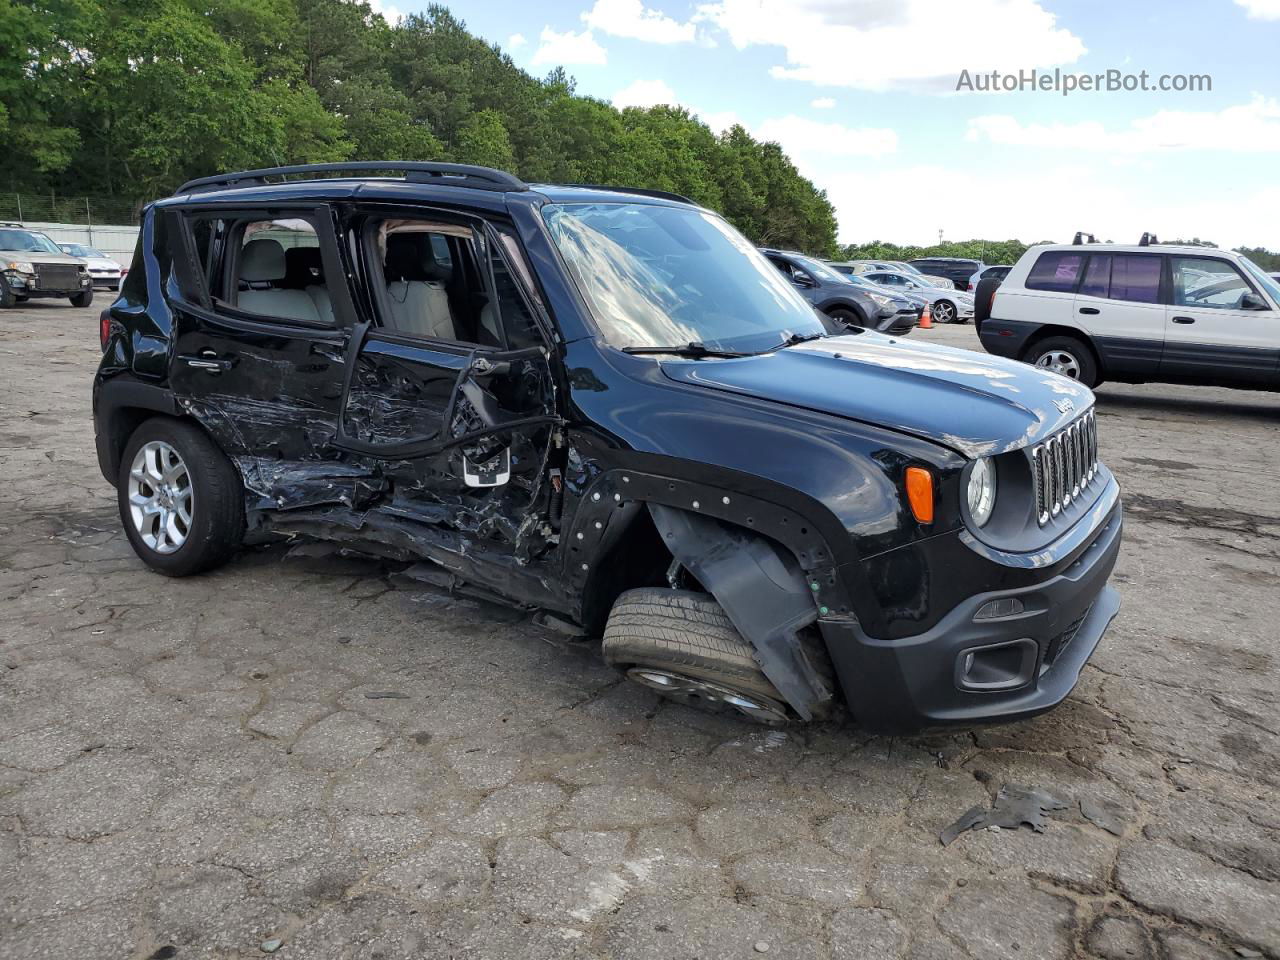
{"x":605,"y":403}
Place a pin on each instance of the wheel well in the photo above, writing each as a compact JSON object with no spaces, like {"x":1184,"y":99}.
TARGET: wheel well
{"x":1045,"y":332}
{"x":122,"y":424}
{"x":636,"y":557}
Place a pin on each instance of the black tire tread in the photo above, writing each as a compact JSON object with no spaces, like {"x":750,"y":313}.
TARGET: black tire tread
{"x":1089,"y":372}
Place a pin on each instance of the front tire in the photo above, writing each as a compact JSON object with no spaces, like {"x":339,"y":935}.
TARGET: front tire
{"x":944,"y":311}
{"x":83,"y":299}
{"x":848,"y":317}
{"x":683,"y":645}
{"x":7,"y":297}
{"x":181,"y":500}
{"x":1068,"y":356}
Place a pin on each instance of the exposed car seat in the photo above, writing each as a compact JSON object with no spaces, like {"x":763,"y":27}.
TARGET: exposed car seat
{"x":262,"y":268}
{"x":419,"y":303}
{"x":304,"y":270}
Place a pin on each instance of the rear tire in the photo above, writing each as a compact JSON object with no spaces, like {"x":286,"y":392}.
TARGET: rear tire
{"x":210,"y":531}
{"x":661,"y":637}
{"x":82,"y":299}
{"x":1068,"y":356}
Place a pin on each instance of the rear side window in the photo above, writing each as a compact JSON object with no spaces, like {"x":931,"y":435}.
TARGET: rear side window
{"x":1057,"y":270}
{"x":1135,"y":277}
{"x":1097,"y":278}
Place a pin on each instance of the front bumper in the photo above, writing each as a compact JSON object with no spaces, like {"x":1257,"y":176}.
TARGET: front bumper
{"x":899,"y":323}
{"x":920,"y":681}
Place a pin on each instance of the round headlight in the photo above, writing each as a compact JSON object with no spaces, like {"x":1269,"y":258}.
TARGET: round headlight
{"x":982,"y":491}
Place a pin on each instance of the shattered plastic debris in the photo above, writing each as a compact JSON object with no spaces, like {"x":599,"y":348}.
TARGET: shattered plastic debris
{"x":1015,"y":806}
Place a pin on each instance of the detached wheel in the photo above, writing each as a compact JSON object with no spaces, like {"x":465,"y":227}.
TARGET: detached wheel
{"x":83,"y":299}
{"x":1065,"y":355}
{"x":944,"y":311}
{"x":181,"y":501}
{"x":682,"y":645}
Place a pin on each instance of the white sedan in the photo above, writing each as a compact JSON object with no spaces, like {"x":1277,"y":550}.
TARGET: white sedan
{"x":104,"y":271}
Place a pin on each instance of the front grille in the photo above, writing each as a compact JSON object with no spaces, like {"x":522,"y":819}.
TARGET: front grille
{"x":1063,"y":466}
{"x":57,"y":276}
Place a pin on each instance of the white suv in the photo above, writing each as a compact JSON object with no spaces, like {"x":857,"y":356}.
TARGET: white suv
{"x":1146,"y":312}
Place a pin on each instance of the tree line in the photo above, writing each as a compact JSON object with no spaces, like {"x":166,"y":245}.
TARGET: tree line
{"x":129,"y":98}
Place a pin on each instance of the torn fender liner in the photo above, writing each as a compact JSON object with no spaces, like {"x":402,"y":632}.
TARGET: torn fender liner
{"x":1015,"y":806}
{"x":762,"y":590}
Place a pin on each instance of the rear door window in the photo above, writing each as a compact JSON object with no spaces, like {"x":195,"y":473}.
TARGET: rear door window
{"x":1057,"y":271}
{"x":1136,"y":277}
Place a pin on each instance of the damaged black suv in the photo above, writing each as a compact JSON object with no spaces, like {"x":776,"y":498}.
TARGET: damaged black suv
{"x":604,"y":403}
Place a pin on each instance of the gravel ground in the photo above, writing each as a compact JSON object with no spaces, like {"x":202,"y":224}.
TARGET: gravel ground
{"x":303,"y":750}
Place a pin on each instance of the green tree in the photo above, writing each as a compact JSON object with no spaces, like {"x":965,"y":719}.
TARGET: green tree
{"x":483,"y":139}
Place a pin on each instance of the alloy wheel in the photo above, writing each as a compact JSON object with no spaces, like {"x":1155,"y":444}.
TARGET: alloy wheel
{"x":1060,"y":361}
{"x":709,"y":696}
{"x":944,"y":312}
{"x":161,"y":500}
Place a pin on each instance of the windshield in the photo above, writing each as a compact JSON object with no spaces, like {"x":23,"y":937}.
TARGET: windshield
{"x":24,"y":241}
{"x":80,"y":250}
{"x":657,"y":276}
{"x":820,"y":269}
{"x":1269,"y":283}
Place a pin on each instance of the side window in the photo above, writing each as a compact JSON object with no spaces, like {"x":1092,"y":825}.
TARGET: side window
{"x":517,"y":318}
{"x":1057,"y":270}
{"x":437,"y":286}
{"x":1135,"y":277}
{"x":1097,"y":278}
{"x":1204,"y":282}
{"x":271,"y":268}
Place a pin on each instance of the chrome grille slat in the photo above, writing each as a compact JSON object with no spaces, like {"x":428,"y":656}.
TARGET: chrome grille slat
{"x":1063,"y":467}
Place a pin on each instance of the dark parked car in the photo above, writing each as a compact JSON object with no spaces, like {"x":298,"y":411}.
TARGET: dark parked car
{"x":605,"y":403}
{"x":846,"y":302}
{"x":956,"y":269}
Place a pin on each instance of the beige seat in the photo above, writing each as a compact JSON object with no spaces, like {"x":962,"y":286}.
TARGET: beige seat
{"x":416,"y":294}
{"x":262,"y":267}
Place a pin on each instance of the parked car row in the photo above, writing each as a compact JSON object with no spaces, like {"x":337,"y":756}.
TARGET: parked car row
{"x":33,"y":266}
{"x":845,"y":300}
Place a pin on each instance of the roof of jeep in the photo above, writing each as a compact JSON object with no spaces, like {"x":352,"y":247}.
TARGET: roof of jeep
{"x":402,"y":190}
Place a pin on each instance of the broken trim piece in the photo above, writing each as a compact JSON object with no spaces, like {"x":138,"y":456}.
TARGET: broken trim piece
{"x":761,"y":590}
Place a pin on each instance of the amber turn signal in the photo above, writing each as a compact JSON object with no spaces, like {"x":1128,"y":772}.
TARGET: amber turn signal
{"x":920,"y":493}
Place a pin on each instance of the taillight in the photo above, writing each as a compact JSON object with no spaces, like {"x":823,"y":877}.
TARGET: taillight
{"x":104,"y":328}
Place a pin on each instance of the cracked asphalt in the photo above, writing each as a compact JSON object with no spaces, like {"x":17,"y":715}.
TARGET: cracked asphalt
{"x":313,"y":755}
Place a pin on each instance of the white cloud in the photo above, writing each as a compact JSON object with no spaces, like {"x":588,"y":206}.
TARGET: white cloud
{"x":719,"y":121}
{"x":1253,"y":127}
{"x":568,"y":48}
{"x":807,"y":141}
{"x":878,"y":44}
{"x":516,"y":41}
{"x":390,"y":13}
{"x":644,"y":93}
{"x":1041,"y":204}
{"x":630,"y":18}
{"x":1261,"y":9}
{"x":823,"y":103}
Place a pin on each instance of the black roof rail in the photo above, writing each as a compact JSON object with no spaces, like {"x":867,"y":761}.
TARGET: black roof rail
{"x":638,"y":191}
{"x":1082,"y":238}
{"x":451,"y":174}
{"x":1148,"y":239}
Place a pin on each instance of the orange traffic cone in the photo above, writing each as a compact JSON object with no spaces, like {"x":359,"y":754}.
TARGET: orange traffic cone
{"x":926,"y":319}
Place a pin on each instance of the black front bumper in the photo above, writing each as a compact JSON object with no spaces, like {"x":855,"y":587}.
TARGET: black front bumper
{"x":899,"y":323}
{"x":914,"y":682}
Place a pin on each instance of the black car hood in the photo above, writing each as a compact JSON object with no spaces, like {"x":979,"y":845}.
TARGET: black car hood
{"x":977,"y":404}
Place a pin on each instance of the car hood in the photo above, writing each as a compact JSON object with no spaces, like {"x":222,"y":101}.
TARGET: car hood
{"x":39,"y":256}
{"x":974,"y":403}
{"x":102,"y":263}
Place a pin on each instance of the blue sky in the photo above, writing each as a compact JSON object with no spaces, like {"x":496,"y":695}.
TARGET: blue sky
{"x":861,"y":94}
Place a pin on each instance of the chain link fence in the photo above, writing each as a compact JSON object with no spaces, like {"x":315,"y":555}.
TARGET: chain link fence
{"x":108,"y":224}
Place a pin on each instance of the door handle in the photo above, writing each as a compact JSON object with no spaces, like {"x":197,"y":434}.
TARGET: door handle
{"x":1184,"y":319}
{"x":1090,"y":310}
{"x":207,"y":362}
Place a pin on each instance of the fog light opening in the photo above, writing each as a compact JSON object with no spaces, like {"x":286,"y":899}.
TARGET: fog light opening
{"x":997,"y":666}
